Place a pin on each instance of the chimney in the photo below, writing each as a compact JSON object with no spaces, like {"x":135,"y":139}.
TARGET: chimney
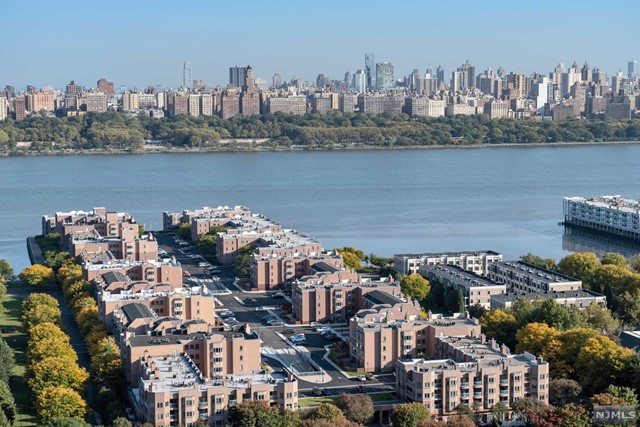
{"x":247,"y":329}
{"x":504,"y":349}
{"x":429,"y":315}
{"x":493,"y":343}
{"x":540,"y":359}
{"x":483,"y":338}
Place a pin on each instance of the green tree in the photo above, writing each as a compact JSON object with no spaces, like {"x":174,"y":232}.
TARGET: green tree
{"x":184,"y":231}
{"x":121,"y":422}
{"x":6,"y":270}
{"x":66,"y":422}
{"x":546,"y":263}
{"x":7,"y":402}
{"x":7,"y":361}
{"x":326,"y":411}
{"x":612,"y":258}
{"x":356,"y":407}
{"x":414,"y":286}
{"x":206,"y":245}
{"x":409,"y":414}
{"x":562,"y":390}
{"x":499,"y":411}
{"x":243,"y":260}
{"x":253,"y":413}
{"x":38,"y":275}
{"x":581,"y":265}
{"x":55,"y":259}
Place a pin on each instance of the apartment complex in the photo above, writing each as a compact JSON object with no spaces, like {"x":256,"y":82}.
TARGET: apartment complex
{"x":172,"y":391}
{"x":472,"y":372}
{"x":477,"y":262}
{"x":384,"y":334}
{"x":475,"y":289}
{"x":580,"y":298}
{"x":335,"y":295}
{"x":610,"y":214}
{"x":520,"y":277}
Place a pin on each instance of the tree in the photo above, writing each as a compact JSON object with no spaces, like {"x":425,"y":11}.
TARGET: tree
{"x":498,"y":411}
{"x":476,"y":311}
{"x":106,"y":365}
{"x":326,"y":411}
{"x":38,"y":275}
{"x":206,"y":245}
{"x":501,"y":326}
{"x":55,"y":259}
{"x":409,"y":414}
{"x":612,"y":258}
{"x":629,"y":307}
{"x":581,"y":265}
{"x":554,"y":315}
{"x":253,"y":413}
{"x":66,"y":422}
{"x":41,"y":314}
{"x":7,"y":402}
{"x":529,"y":408}
{"x":379,"y":261}
{"x":56,"y":371}
{"x":599,"y":318}
{"x":356,"y":407}
{"x":454,"y":301}
{"x":561,"y":390}
{"x":323,"y":422}
{"x":7,"y":361}
{"x":121,"y":422}
{"x":60,"y":402}
{"x":414,"y":286}
{"x":351,"y":260}
{"x":600,"y":362}
{"x":36,"y":299}
{"x":634,"y":263}
{"x":6,"y":270}
{"x":50,"y":347}
{"x":184,"y":231}
{"x":241,"y":264}
{"x":548,"y":263}
{"x":534,"y":337}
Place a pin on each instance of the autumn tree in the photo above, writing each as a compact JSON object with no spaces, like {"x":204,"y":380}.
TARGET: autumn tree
{"x":60,"y":402}
{"x":352,"y":257}
{"x":546,"y":263}
{"x":599,"y":318}
{"x":414,"y":286}
{"x":41,"y":314}
{"x":326,"y":411}
{"x":534,"y":337}
{"x":501,"y":326}
{"x":356,"y":407}
{"x":409,"y":414}
{"x":612,"y":258}
{"x":36,"y":299}
{"x":581,"y":265}
{"x":253,"y":413}
{"x":106,"y":365}
{"x":56,"y":371}
{"x":38,"y":275}
{"x":600,"y":361}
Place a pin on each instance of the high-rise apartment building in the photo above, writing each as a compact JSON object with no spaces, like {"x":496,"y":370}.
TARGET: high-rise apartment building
{"x":632,"y":69}
{"x":186,"y":75}
{"x":277,"y":81}
{"x":20,"y":107}
{"x":360,"y":81}
{"x":73,"y":89}
{"x":439,"y":75}
{"x":106,"y":87}
{"x":96,"y":102}
{"x":230,"y":103}
{"x":194,"y":104}
{"x":370,"y":71}
{"x":3,"y":108}
{"x":384,"y":76}
{"x":238,"y":76}
{"x":130,"y":101}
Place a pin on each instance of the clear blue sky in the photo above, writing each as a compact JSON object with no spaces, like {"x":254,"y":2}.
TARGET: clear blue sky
{"x":140,"y":42}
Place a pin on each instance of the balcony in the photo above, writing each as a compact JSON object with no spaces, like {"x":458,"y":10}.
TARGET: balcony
{"x":203,"y":404}
{"x":203,"y":417}
{"x":477,"y":394}
{"x":477,"y":383}
{"x":504,"y":382}
{"x":464,"y":385}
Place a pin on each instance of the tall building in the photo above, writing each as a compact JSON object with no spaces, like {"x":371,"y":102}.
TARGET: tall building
{"x":3,"y":108}
{"x":193,"y":104}
{"x":439,"y":75}
{"x":20,"y":108}
{"x":73,"y":89}
{"x":237,"y":76}
{"x":632,"y":69}
{"x":106,"y":87}
{"x":186,"y":75}
{"x":96,"y":102}
{"x":230,"y":103}
{"x":469,"y":75}
{"x":360,"y":81}
{"x":277,"y":81}
{"x":541,"y":93}
{"x":370,"y":71}
{"x":348,"y":80}
{"x":249,"y":99}
{"x":130,"y":101}
{"x":384,"y":76}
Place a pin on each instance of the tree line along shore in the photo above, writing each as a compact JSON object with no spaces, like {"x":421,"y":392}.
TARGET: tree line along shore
{"x":119,"y":132}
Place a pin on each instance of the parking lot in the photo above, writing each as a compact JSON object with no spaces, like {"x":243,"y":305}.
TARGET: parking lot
{"x":251,"y":308}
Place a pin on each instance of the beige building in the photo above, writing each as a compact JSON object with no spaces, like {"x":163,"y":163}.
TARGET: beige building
{"x":579,"y":298}
{"x":172,"y":391}
{"x":520,"y":277}
{"x":292,"y":104}
{"x":424,"y":107}
{"x":130,"y":101}
{"x":166,"y":271}
{"x":96,"y":102}
{"x":477,"y":262}
{"x":381,"y":336}
{"x":194,"y":104}
{"x":460,"y":109}
{"x":497,"y":109}
{"x":334,"y":295}
{"x":474,"y":288}
{"x":472,"y":372}
{"x":4,"y":106}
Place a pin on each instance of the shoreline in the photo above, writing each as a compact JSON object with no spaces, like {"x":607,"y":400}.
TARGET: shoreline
{"x":300,"y":148}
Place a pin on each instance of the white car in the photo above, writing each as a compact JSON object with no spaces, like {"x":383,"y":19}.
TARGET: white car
{"x":261,"y":308}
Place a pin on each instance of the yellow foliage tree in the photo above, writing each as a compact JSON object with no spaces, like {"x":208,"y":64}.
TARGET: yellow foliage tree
{"x":500,"y":325}
{"x":86,"y":318}
{"x":41,"y":314}
{"x":56,"y":371}
{"x":38,"y":275}
{"x":38,"y":298}
{"x":50,"y":347}
{"x":534,"y":337}
{"x":55,"y":402}
{"x":600,"y":362}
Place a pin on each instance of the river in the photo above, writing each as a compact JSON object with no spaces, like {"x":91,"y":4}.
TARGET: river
{"x":386,"y":202}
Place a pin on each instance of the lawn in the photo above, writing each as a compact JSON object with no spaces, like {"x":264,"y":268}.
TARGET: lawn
{"x":308,"y":402}
{"x":12,"y":332}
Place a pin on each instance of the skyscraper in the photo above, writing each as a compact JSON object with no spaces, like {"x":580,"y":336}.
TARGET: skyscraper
{"x":106,"y":87}
{"x":277,"y":81}
{"x":439,"y":75}
{"x":384,"y":76}
{"x":360,"y":81}
{"x":632,"y":69}
{"x":348,"y":80}
{"x":237,"y":76}
{"x":186,"y":75}
{"x":370,"y":71}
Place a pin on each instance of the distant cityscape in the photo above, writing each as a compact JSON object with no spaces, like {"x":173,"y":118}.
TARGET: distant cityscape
{"x":563,"y":93}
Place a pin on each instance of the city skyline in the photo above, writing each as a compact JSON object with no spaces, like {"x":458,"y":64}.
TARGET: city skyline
{"x":140,"y":47}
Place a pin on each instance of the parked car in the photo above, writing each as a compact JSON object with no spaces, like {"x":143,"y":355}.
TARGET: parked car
{"x":288,"y":331}
{"x":369,"y":376}
{"x":278,"y":295}
{"x":317,"y":391}
{"x":360,"y":389}
{"x":261,"y":308}
{"x":186,"y":274}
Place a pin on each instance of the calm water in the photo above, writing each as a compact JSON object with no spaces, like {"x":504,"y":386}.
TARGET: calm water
{"x":505,"y":199}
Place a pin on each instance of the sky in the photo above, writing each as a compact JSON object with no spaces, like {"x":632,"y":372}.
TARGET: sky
{"x":141,"y":42}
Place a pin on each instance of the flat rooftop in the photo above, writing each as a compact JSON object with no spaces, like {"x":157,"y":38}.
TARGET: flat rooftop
{"x":580,"y":293}
{"x":461,"y":276}
{"x":617,"y":203}
{"x":447,"y":254}
{"x":535,"y":272}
